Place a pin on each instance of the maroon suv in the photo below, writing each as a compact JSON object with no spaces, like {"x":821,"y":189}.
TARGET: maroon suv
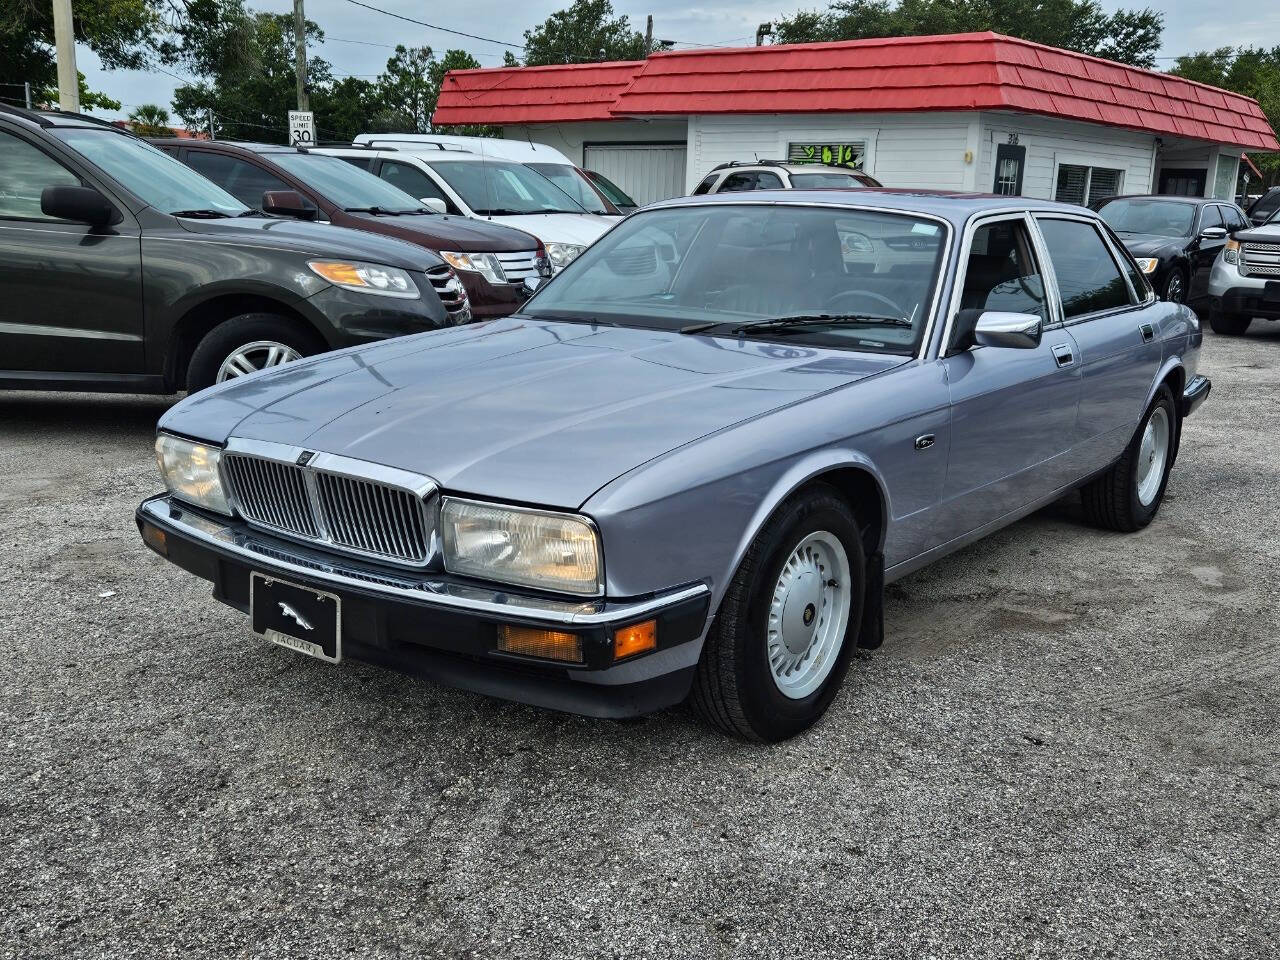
{"x":491,"y":260}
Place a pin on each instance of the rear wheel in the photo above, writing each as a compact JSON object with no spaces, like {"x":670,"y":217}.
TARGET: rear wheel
{"x":246,"y":344}
{"x":1127,"y":496}
{"x":1229,"y":324}
{"x":786,"y":629}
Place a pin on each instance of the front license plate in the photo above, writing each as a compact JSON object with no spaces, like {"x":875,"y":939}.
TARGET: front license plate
{"x":300,"y":618}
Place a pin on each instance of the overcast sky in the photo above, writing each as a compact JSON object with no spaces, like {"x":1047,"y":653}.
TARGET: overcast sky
{"x":1189,"y":25}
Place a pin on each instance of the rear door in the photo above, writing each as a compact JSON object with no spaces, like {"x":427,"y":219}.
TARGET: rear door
{"x":1114,"y":319}
{"x":72,"y":293}
{"x":1013,"y":410}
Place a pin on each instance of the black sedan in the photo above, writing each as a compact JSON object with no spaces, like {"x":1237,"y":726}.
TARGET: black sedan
{"x":1174,"y":239}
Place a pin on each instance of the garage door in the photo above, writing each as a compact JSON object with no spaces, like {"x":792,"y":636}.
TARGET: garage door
{"x":645,"y":171}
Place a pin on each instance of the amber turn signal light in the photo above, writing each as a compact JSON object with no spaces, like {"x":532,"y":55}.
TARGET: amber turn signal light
{"x":637,"y":638}
{"x":547,"y":644}
{"x":154,"y":538}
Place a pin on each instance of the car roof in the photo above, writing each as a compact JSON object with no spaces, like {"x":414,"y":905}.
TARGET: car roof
{"x":1171,"y":197}
{"x":795,"y":168}
{"x":956,"y":207}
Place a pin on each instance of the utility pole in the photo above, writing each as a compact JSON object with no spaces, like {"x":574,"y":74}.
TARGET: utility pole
{"x":65,"y":40}
{"x":300,"y":54}
{"x":648,"y":35}
{"x":26,"y":89}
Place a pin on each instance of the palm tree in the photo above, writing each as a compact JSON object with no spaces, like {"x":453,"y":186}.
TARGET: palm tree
{"x":149,"y":120}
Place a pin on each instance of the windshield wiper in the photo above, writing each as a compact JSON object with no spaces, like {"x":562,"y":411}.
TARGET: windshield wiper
{"x":500,"y":212}
{"x":376,"y":211}
{"x":779,"y":324}
{"x":206,"y":214}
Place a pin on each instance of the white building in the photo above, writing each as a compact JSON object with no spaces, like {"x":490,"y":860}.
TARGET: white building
{"x":972,"y":112}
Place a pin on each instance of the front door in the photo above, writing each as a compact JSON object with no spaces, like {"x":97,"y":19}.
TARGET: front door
{"x":1205,"y":250}
{"x":1010,"y":160}
{"x":1013,"y":411}
{"x":72,"y":293}
{"x":1182,"y":183}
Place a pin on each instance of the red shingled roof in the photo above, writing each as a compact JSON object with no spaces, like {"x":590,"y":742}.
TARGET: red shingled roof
{"x":968,"y":71}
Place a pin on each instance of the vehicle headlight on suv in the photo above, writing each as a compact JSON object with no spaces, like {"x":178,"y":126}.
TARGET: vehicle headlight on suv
{"x":1231,"y":252}
{"x":531,"y":548}
{"x":190,"y":471}
{"x":562,"y":254}
{"x":1146,"y":264}
{"x":366,"y":277}
{"x":485,"y":264}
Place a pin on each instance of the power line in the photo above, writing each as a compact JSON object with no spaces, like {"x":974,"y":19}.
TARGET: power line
{"x":432,"y":26}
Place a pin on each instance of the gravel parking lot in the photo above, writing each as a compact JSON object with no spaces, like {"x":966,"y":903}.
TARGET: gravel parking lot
{"x":1068,"y":746}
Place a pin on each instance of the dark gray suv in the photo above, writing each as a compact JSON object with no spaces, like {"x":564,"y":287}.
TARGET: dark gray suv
{"x":121,"y":269}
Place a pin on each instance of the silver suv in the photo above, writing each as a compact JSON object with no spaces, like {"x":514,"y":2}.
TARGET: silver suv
{"x":1245,"y":282}
{"x":775,"y":175}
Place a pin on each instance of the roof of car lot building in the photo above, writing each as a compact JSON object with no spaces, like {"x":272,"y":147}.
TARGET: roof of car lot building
{"x":972,"y":71}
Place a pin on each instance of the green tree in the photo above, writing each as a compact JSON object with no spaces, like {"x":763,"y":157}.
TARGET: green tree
{"x":1128,"y":36}
{"x":584,"y":32}
{"x":407,"y":91}
{"x":345,"y":107}
{"x":150,"y":120}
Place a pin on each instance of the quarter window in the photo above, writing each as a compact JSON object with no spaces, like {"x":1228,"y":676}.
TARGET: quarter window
{"x":737,"y":182}
{"x":245,"y":181}
{"x":705,"y":185}
{"x":1086,"y":185}
{"x":24,"y":173}
{"x":1001,"y":272}
{"x":1088,"y":278}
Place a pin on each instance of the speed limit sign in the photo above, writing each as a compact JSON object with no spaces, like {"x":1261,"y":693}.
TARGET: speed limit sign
{"x":302,"y":128}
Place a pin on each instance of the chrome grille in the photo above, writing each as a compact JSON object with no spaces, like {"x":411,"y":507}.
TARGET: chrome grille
{"x":272,"y":494}
{"x":1260,"y":259}
{"x":523,"y":263}
{"x":448,"y":287}
{"x":350,"y":513}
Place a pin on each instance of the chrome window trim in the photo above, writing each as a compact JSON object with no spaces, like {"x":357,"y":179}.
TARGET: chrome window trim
{"x":977,"y":222}
{"x":1134,"y":303}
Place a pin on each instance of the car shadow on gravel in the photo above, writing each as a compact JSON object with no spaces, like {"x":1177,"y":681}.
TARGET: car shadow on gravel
{"x":113,"y":413}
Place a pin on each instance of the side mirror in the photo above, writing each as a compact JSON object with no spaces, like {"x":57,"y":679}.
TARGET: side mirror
{"x":79,"y":205}
{"x":530,"y":285}
{"x":1214,"y":233}
{"x":1018,"y":330}
{"x":287,"y":203}
{"x":434,"y":204}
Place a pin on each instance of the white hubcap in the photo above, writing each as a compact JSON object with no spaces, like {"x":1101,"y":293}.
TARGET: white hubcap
{"x":256,"y":356}
{"x":1153,"y":453}
{"x":809,"y":614}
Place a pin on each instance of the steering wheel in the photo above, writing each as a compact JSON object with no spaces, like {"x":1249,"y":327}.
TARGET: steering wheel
{"x":850,"y":295}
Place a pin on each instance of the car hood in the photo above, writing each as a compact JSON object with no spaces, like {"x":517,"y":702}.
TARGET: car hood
{"x":1150,"y":245}
{"x":313,"y":239}
{"x":581,"y":228}
{"x":517,"y":409}
{"x":1268,"y":234}
{"x":443,"y":232}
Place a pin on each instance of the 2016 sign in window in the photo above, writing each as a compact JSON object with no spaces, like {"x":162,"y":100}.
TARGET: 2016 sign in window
{"x":849,"y":155}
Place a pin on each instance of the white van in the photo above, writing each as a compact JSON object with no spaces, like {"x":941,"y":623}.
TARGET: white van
{"x":484,"y":187}
{"x":548,"y":161}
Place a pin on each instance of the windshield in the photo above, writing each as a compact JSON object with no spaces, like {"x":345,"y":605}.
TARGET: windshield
{"x":345,"y":184}
{"x":151,"y":175}
{"x":1159,"y":218}
{"x":872,"y":273}
{"x":498,"y":188}
{"x":812,"y":181}
{"x":611,"y":190}
{"x":573,"y":182}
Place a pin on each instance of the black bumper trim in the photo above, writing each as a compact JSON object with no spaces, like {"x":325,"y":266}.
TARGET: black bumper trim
{"x":1196,"y":393}
{"x":1250,"y":300}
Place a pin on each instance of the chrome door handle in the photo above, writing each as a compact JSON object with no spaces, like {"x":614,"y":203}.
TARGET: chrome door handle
{"x":1148,"y":332}
{"x":1062,"y":353}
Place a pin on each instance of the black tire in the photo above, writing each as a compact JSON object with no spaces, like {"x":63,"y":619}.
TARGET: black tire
{"x":1175,"y":286}
{"x":224,"y":339}
{"x":1228,"y":324}
{"x":1111,"y":500}
{"x":734,"y":688}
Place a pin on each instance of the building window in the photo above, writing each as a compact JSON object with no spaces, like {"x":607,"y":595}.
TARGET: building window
{"x":1085,"y":185}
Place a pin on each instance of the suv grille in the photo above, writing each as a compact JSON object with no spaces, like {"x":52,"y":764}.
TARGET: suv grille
{"x":351,"y":513}
{"x":449,"y":288}
{"x":1260,"y":259}
{"x":523,"y":263}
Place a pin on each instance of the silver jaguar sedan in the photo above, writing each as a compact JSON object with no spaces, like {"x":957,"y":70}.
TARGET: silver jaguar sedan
{"x":690,"y":464}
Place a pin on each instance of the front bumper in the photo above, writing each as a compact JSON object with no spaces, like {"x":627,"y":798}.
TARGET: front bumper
{"x":445,"y":628}
{"x":1196,"y":393}
{"x":1234,"y":292}
{"x":348,"y":317}
{"x":490,"y":300}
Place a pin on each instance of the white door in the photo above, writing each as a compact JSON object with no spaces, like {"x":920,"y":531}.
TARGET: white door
{"x":645,"y":171}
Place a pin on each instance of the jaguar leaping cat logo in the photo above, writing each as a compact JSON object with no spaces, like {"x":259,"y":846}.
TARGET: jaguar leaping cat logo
{"x":294,"y":615}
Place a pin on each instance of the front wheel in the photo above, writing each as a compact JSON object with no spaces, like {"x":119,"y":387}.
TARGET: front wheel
{"x":1127,"y":496}
{"x":1228,"y":324}
{"x":247,"y":344}
{"x":786,"y":629}
{"x":1175,"y":287}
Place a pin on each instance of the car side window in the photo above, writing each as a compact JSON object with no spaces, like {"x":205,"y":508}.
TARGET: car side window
{"x":768,"y":181}
{"x":1235,"y":219}
{"x":1088,"y":279}
{"x":414,"y":182}
{"x":1001,"y":273}
{"x":705,"y":185}
{"x":364,"y":163}
{"x":24,"y":173}
{"x":738,"y":182}
{"x":245,"y":181}
{"x":1211,"y":216}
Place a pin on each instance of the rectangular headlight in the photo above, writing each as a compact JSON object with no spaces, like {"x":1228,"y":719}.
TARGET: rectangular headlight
{"x":531,"y":548}
{"x":190,"y":471}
